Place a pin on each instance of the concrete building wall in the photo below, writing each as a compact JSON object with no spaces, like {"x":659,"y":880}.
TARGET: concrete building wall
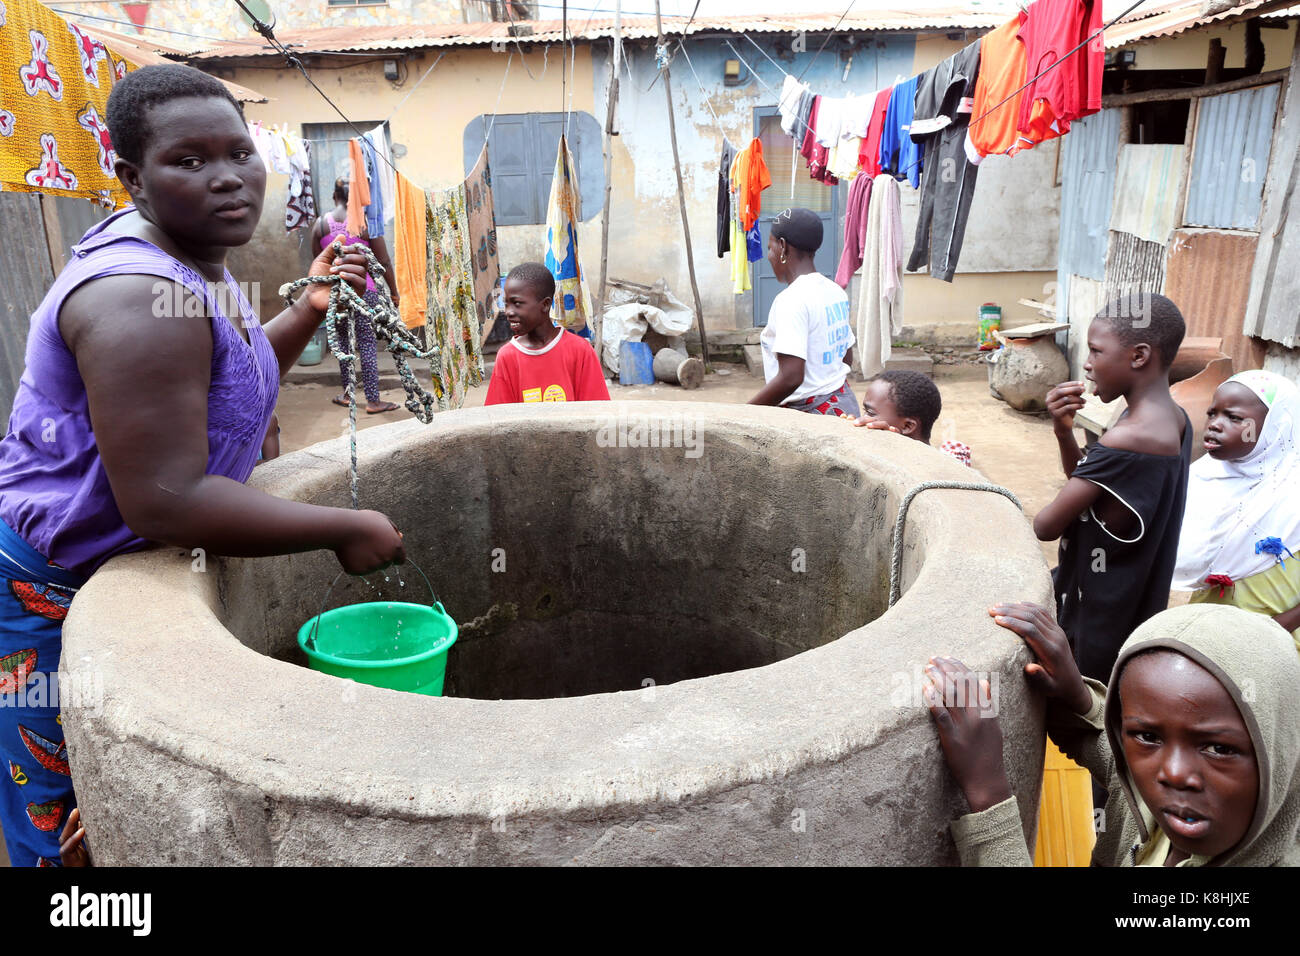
{"x":1189,"y":51}
{"x":222,"y":18}
{"x":1010,"y":246}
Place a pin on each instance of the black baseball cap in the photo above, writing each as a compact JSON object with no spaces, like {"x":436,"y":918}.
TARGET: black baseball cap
{"x":800,"y":227}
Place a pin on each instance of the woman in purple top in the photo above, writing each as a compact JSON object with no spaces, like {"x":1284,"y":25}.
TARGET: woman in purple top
{"x":328,"y":227}
{"x":141,"y":410}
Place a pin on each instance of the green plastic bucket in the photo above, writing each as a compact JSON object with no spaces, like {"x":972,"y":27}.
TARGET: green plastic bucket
{"x":393,"y":644}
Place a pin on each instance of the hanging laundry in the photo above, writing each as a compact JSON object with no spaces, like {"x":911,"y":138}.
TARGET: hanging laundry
{"x":54,"y":84}
{"x":750,"y":177}
{"x":842,"y":161}
{"x":942,"y":112}
{"x":880,"y":298}
{"x":855,"y":228}
{"x":572,"y":306}
{"x":857,"y":116}
{"x":811,"y":150}
{"x":300,"y":210}
{"x":792,"y":92}
{"x":261,"y":137}
{"x":869,"y":151}
{"x":483,"y":243}
{"x":358,"y":188}
{"x":803,"y":122}
{"x":830,"y":120}
{"x":375,"y":208}
{"x":740,"y":282}
{"x":387,"y":174}
{"x":451,"y":323}
{"x":898,"y":153}
{"x":1049,"y":30}
{"x":754,"y":244}
{"x":724,"y":198}
{"x":995,"y":121}
{"x":411,"y":251}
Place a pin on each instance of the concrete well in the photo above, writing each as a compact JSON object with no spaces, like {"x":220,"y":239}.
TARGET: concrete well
{"x":687,"y":658}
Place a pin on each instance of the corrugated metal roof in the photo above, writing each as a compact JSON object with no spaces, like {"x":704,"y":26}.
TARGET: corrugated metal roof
{"x":1150,"y":22}
{"x":1089,"y":156}
{"x":147,"y":53}
{"x":1234,"y":133}
{"x":351,"y":39}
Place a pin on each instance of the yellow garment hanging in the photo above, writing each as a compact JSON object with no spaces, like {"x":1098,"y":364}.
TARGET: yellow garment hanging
{"x":54,"y":84}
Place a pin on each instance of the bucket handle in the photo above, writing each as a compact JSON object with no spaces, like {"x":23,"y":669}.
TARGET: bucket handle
{"x":315,"y":624}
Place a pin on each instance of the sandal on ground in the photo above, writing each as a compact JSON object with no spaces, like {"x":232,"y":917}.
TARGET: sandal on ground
{"x":383,"y":407}
{"x":340,"y":401}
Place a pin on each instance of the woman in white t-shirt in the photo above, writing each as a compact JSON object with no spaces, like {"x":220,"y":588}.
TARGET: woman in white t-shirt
{"x":808,"y":342}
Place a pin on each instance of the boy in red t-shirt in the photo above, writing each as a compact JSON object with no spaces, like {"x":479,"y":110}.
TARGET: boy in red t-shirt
{"x":542,"y":363}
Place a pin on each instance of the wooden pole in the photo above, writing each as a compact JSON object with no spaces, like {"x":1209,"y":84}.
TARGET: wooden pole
{"x":612,"y":98}
{"x":681,"y":192}
{"x":1193,"y":92}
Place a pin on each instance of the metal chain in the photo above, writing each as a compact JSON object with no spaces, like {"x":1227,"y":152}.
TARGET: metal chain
{"x":346,"y":304}
{"x":896,"y":562}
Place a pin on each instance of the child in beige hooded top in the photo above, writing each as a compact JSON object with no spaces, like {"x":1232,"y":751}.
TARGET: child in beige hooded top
{"x":1198,"y":737}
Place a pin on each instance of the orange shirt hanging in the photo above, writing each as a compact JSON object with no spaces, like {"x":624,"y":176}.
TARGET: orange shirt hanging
{"x":994,"y":123}
{"x":749,"y":176}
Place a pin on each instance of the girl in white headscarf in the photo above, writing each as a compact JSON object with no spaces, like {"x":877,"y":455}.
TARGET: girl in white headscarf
{"x":1242,"y":522}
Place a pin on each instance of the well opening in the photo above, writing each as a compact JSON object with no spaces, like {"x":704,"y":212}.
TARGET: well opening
{"x":577,"y":568}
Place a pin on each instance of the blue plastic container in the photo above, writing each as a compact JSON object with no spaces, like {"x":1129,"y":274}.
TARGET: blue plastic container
{"x":635,"y":364}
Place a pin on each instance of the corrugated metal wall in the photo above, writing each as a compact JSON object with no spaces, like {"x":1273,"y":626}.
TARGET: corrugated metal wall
{"x":1148,"y":191}
{"x":1133,"y":265}
{"x":1088,"y":156}
{"x":1234,"y":133}
{"x":1275,"y":284}
{"x":24,"y":280}
{"x":1208,"y":276}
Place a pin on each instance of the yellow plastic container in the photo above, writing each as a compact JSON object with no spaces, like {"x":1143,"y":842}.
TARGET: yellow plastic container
{"x":1065,"y":831}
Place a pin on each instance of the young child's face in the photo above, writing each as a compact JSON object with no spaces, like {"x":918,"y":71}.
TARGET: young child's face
{"x":878,"y":402}
{"x":1234,"y":421}
{"x":524,"y":310}
{"x":1189,"y":752}
{"x":1108,"y":365}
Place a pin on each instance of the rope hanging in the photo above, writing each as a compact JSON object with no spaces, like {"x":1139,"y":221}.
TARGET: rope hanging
{"x":345,"y":304}
{"x":896,"y":562}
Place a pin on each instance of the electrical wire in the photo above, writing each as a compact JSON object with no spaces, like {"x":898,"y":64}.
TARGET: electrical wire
{"x":415,"y":87}
{"x":269,"y":34}
{"x":681,"y":46}
{"x":832,"y":33}
{"x":1034,"y":79}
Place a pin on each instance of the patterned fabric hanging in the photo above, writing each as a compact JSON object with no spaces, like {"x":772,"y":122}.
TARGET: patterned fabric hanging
{"x":54,"y":85}
{"x":572,"y":306}
{"x":483,"y":243}
{"x":452,"y":323}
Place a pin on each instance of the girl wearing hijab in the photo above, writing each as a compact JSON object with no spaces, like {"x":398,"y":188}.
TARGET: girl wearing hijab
{"x":808,"y":341}
{"x":1242,"y":520}
{"x":1197,"y":738}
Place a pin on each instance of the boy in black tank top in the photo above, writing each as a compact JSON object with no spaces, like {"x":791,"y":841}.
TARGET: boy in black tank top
{"x":1121,"y":510}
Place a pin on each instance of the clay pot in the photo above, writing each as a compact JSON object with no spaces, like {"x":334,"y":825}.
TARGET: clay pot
{"x":1022,"y":372}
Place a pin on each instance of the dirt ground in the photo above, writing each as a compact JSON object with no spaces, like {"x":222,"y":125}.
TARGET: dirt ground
{"x":1012,"y":449}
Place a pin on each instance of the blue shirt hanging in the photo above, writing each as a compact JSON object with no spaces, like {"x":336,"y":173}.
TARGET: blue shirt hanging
{"x":898,"y":154}
{"x":375,"y":211}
